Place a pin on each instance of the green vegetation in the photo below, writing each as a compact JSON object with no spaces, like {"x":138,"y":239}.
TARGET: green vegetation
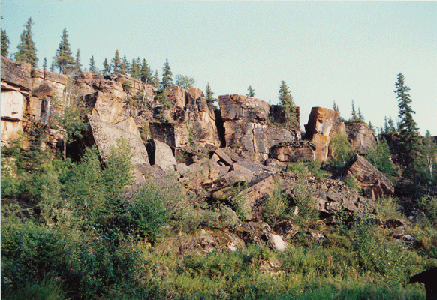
{"x":339,"y":149}
{"x":64,"y":58}
{"x":380,"y":157}
{"x":287,"y":102}
{"x":26,"y":48}
{"x":167,"y":79}
{"x":184,"y":81}
{"x":5,"y":43}
{"x":251,"y":92}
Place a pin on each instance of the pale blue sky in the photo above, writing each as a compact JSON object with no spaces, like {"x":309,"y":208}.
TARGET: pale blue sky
{"x":324,"y":51}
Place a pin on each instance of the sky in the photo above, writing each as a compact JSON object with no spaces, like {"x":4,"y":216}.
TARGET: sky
{"x":324,"y":51}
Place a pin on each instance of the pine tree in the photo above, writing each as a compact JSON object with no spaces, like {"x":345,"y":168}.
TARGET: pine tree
{"x":26,"y":48}
{"x":408,"y":128}
{"x":5,"y":43}
{"x":385,"y":128}
{"x":52,"y":66}
{"x":44,"y":65}
{"x":371,"y":127}
{"x":360,"y":116}
{"x":135,"y":68}
{"x":335,"y":107}
{"x":210,"y":100}
{"x":156,"y":79}
{"x":391,"y":126}
{"x":124,"y":66}
{"x":146,"y":73}
{"x":106,"y":68}
{"x":354,"y":117}
{"x":251,"y":92}
{"x":93,"y":68}
{"x":287,"y":102}
{"x":167,"y":79}
{"x":64,"y":59}
{"x":116,"y":64}
{"x":77,"y":64}
{"x":429,"y":154}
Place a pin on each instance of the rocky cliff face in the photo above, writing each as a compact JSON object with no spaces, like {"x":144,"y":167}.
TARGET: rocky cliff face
{"x":322,"y":125}
{"x":360,"y":136}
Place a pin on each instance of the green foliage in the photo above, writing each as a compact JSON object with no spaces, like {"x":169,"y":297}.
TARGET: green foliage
{"x":116,"y":64}
{"x":210,"y":100}
{"x":287,"y":102}
{"x":428,"y":204}
{"x":380,"y":157}
{"x":146,"y":73}
{"x":93,"y":68}
{"x":5,"y":43}
{"x":167,"y":79}
{"x":77,"y":63}
{"x":184,"y":81}
{"x":148,"y":213}
{"x":340,"y":149}
{"x":276,"y":205}
{"x":251,"y":92}
{"x":106,"y":68}
{"x":127,"y":85}
{"x":26,"y":48}
{"x":163,"y":99}
{"x":64,"y":58}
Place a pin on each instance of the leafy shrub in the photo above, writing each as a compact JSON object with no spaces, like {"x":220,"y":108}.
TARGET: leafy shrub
{"x":148,"y":213}
{"x":276,"y":205}
{"x":127,"y":85}
{"x":380,"y":157}
{"x":339,"y":149}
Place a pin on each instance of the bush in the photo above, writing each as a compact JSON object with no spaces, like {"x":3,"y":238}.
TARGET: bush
{"x":380,"y":157}
{"x":339,"y":149}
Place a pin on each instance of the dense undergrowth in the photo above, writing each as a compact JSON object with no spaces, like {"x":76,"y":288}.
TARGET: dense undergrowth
{"x":71,"y":231}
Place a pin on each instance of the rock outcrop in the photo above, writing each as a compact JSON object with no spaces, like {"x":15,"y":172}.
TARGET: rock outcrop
{"x":106,"y":136}
{"x":361,"y":137}
{"x":370,"y":179}
{"x":246,"y":128}
{"x":292,"y":152}
{"x":322,"y":124}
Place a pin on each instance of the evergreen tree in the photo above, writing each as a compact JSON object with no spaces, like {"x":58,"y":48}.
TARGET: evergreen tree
{"x":52,"y":66}
{"x":5,"y":43}
{"x":408,"y":128}
{"x":335,"y":107}
{"x":77,"y":64}
{"x":391,"y":126}
{"x":26,"y":47}
{"x":184,"y":82}
{"x":156,"y":79}
{"x":124,"y":66}
{"x":93,"y":68}
{"x":385,"y":128}
{"x":354,"y":116}
{"x":287,"y":102}
{"x":146,"y":73}
{"x":371,"y":127}
{"x":116,"y":64}
{"x":64,"y":59}
{"x":106,"y":68}
{"x":360,"y":116}
{"x":135,"y":68}
{"x":251,"y":92}
{"x":210,"y":100}
{"x":167,"y":79}
{"x":44,"y":65}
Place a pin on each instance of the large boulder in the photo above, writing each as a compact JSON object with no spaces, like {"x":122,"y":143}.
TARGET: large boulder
{"x":322,"y":124}
{"x":12,"y":112}
{"x":161,"y":155}
{"x":361,"y":137}
{"x":106,"y":136}
{"x":370,"y":179}
{"x":16,"y":74}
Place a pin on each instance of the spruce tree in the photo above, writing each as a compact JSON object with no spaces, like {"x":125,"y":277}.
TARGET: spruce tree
{"x":146,"y":73}
{"x":167,"y":79}
{"x":5,"y":43}
{"x":391,"y":126}
{"x":26,"y":47}
{"x":135,"y":68}
{"x":360,"y":117}
{"x":116,"y":63}
{"x":77,"y":64}
{"x":44,"y":65}
{"x":93,"y":68}
{"x":124,"y":66}
{"x":410,"y":141}
{"x":106,"y":68}
{"x":354,"y":117}
{"x":287,"y":102}
{"x":251,"y":92}
{"x":210,"y":100}
{"x":156,"y":79}
{"x":64,"y":59}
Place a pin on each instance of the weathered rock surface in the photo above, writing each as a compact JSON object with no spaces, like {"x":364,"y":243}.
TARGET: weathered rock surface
{"x":162,"y":155}
{"x":321,"y":124}
{"x":106,"y":136}
{"x":245,"y":122}
{"x":292,"y":152}
{"x":16,"y":74}
{"x":360,"y":136}
{"x":370,"y":179}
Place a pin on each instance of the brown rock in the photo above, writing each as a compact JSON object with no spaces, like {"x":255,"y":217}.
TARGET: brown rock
{"x":16,"y":74}
{"x":162,"y":156}
{"x":44,"y":90}
{"x":295,"y":151}
{"x":360,"y":136}
{"x":237,"y":174}
{"x":370,"y":179}
{"x":177,"y":96}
